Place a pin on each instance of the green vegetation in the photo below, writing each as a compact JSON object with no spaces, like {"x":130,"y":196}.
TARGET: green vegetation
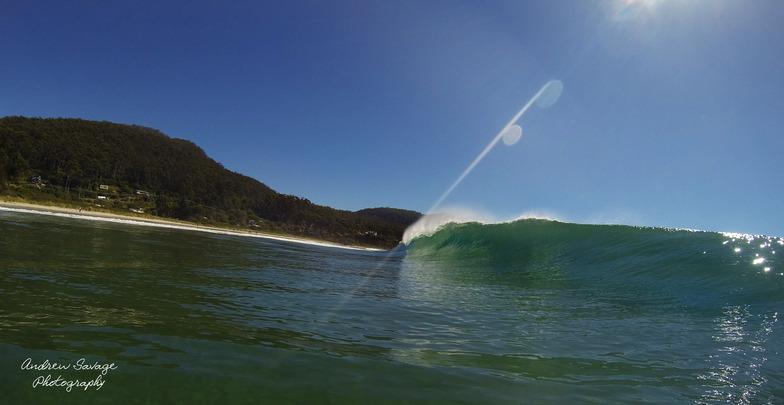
{"x":128,"y":167}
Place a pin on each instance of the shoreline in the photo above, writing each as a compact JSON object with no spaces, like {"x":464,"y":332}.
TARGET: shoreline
{"x":26,"y":207}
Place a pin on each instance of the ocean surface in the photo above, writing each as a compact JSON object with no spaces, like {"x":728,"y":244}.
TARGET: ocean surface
{"x":529,"y":312}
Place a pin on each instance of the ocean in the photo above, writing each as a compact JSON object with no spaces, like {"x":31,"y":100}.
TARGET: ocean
{"x":529,"y":312}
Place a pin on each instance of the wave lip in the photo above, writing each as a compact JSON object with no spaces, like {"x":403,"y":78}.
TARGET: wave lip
{"x":429,"y":224}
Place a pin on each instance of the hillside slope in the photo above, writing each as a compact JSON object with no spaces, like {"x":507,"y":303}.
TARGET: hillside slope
{"x":133,"y":167}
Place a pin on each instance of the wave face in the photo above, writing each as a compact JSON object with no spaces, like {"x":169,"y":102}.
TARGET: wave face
{"x":693,"y":313}
{"x":629,"y":250}
{"x":685,"y":258}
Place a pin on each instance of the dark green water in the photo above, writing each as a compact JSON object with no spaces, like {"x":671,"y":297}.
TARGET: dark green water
{"x":529,"y":312}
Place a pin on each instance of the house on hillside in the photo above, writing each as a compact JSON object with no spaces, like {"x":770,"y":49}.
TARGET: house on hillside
{"x":35,"y":179}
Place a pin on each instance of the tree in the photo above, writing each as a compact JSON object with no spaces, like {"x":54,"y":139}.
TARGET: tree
{"x":3,"y":168}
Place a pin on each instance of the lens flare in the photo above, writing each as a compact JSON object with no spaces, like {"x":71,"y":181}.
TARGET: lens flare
{"x":551,"y":94}
{"x":544,"y":98}
{"x":512,"y":135}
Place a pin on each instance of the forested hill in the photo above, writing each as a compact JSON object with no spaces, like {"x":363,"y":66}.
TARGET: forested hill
{"x":132,"y":167}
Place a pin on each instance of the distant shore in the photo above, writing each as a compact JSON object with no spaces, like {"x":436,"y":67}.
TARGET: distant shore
{"x":161,"y":222}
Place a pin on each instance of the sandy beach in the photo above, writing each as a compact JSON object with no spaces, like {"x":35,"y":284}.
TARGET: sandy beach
{"x":132,"y":219}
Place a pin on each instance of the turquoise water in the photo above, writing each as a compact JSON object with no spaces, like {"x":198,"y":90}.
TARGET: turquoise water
{"x":525,"y":312}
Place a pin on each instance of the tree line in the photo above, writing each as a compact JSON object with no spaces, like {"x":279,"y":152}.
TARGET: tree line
{"x":135,"y":166}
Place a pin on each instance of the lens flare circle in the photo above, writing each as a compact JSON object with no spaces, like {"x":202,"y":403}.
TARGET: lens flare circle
{"x":551,"y":93}
{"x":512,"y":135}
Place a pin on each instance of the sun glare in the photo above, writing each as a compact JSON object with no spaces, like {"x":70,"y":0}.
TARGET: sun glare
{"x":622,"y":10}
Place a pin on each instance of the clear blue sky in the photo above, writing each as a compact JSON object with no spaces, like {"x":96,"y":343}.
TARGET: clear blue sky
{"x":672,"y":112}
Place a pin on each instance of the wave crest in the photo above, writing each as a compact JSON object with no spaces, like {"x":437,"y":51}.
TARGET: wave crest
{"x":429,"y":224}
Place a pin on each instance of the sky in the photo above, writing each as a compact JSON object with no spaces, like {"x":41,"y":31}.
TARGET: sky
{"x":671,"y":115}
